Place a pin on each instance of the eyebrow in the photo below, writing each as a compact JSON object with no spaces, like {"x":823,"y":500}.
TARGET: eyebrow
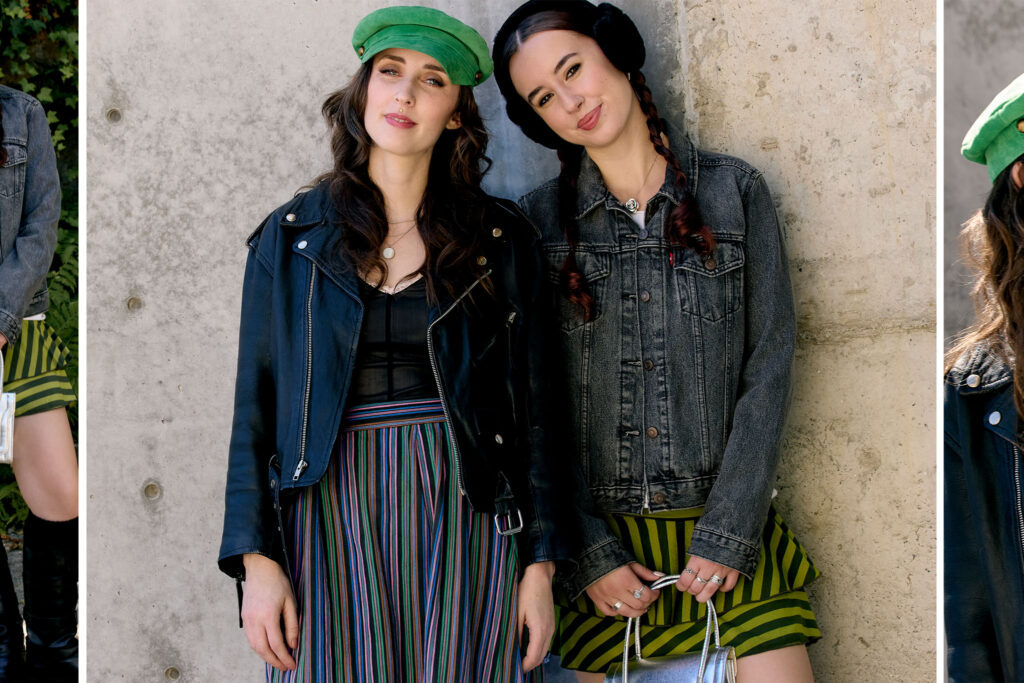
{"x":400,"y":60}
{"x":558,"y":67}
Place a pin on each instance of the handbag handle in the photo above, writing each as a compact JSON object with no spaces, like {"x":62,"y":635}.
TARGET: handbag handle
{"x":712,"y":627}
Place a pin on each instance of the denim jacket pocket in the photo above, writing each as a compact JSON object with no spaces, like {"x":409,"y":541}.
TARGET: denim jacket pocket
{"x":12,"y":174}
{"x":710,"y":287}
{"x":595,"y":267}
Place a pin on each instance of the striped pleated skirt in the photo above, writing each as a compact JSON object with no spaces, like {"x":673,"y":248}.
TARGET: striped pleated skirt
{"x":34,"y":370}
{"x":766,"y":612}
{"x":396,"y":578}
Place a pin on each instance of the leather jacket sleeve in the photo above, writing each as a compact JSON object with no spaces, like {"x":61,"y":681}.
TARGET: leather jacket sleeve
{"x":23,"y":271}
{"x":729,"y":532}
{"x":971,"y":654}
{"x":250,"y":519}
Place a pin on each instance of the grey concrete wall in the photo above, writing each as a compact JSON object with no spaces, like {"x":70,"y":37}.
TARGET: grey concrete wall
{"x":982,"y":55}
{"x":204,"y":116}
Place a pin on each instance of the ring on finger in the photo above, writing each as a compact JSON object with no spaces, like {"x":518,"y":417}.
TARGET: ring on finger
{"x":638,"y":592}
{"x":716,"y":579}
{"x":690,"y":571}
{"x":617,"y":605}
{"x":701,"y":581}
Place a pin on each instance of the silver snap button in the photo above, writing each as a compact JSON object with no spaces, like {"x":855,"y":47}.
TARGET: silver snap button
{"x":498,"y":439}
{"x":994,"y":417}
{"x":302,"y":244}
{"x":496,"y":232}
{"x":482,"y":261}
{"x":290,"y":218}
{"x":973,"y":380}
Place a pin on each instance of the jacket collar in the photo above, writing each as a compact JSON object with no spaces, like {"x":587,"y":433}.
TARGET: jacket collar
{"x":592,"y":192}
{"x":981,"y":370}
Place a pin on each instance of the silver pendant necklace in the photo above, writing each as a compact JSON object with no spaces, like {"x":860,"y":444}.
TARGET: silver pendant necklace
{"x":388,"y":252}
{"x":632,"y":205}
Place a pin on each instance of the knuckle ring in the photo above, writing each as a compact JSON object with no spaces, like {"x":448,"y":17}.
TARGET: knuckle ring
{"x":617,"y":605}
{"x":689,"y":571}
{"x":638,"y":592}
{"x":701,"y":581}
{"x":716,"y":579}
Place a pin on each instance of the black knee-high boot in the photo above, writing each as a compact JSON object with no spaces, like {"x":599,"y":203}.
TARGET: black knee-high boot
{"x":51,"y":600}
{"x":12,"y":647}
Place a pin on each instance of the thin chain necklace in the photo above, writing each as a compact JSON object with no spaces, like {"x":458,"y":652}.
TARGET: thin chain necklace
{"x":632,"y":205}
{"x":388,"y":251}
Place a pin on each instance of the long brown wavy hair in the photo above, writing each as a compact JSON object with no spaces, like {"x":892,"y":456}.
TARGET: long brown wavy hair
{"x":622,"y":44}
{"x":993,"y":242}
{"x":450,"y":214}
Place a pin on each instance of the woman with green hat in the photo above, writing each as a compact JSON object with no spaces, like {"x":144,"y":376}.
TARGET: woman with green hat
{"x":388,"y":504}
{"x":984,"y":402}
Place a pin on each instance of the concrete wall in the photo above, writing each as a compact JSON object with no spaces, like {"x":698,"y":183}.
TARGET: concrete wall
{"x":204,"y":116}
{"x":982,"y":56}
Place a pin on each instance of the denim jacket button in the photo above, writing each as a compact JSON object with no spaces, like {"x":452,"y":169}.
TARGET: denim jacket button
{"x":994,"y":417}
{"x":648,"y":365}
{"x":973,"y":381}
{"x":659,"y":498}
{"x":498,"y":439}
{"x":645,"y":296}
{"x":710,"y":263}
{"x":652,"y":432}
{"x":496,"y":232}
{"x":290,"y":218}
{"x":302,"y":244}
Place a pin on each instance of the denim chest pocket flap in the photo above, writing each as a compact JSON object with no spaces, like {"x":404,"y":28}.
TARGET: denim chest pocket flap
{"x":595,"y":267}
{"x":712,"y":286}
{"x":12,"y":174}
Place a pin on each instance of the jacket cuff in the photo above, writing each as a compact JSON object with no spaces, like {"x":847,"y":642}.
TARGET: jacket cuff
{"x":725,"y":550}
{"x":10,"y":326}
{"x":587,"y":568}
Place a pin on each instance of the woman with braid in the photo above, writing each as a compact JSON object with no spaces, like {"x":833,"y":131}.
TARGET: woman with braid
{"x":676,"y":336}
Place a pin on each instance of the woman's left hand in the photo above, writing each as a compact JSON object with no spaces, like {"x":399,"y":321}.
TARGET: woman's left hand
{"x":536,"y":612}
{"x":713,"y":577}
{"x":3,"y":341}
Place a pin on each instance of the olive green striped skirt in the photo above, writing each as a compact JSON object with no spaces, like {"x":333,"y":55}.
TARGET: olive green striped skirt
{"x":766,"y":612}
{"x":34,"y":370}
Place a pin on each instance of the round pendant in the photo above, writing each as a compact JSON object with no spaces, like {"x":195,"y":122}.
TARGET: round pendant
{"x":387,"y":252}
{"x":632,"y":205}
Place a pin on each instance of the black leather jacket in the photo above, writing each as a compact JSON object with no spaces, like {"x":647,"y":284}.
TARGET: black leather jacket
{"x":984,"y":522}
{"x":301,"y":315}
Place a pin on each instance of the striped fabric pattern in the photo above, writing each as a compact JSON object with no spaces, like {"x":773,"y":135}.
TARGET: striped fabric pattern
{"x":767,"y":612}
{"x":396,"y":578}
{"x":34,"y":370}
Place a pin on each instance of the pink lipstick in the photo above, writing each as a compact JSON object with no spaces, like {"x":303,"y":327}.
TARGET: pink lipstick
{"x":590,"y":120}
{"x":399,"y":121}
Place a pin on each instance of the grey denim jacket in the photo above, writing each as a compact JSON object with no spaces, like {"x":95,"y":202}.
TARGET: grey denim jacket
{"x":29,"y":210}
{"x":677,"y":390}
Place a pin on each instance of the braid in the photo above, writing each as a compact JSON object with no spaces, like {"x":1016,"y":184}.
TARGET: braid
{"x":574,"y":284}
{"x":685,"y":226}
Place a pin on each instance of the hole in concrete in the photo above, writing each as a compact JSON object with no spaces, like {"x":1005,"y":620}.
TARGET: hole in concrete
{"x":172,"y":673}
{"x":134,"y":303}
{"x":114,"y":116}
{"x":152,"y":491}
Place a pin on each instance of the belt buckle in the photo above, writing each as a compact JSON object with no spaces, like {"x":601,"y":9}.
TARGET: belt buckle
{"x":507,"y":517}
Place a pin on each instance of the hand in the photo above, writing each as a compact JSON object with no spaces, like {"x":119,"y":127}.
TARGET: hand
{"x":620,"y":586}
{"x":536,"y":611}
{"x":266,"y":600}
{"x":3,"y":341}
{"x":705,"y":569}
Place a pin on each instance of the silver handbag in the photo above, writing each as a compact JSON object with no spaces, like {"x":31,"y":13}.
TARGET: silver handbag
{"x":713,"y":665}
{"x":6,"y":420}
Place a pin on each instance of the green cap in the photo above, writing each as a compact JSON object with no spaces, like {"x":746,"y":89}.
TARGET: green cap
{"x":460,"y":49}
{"x":997,"y":138}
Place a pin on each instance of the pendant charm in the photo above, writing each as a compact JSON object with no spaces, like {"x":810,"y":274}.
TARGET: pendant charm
{"x":387,"y":252}
{"x":632,"y":205}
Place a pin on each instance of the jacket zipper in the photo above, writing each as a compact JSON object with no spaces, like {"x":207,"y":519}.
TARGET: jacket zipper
{"x":437,"y":380}
{"x":301,"y":467}
{"x":1020,"y":503}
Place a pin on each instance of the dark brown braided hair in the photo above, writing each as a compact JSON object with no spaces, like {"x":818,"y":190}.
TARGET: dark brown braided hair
{"x":993,"y":242}
{"x":620,"y":41}
{"x":453,"y":205}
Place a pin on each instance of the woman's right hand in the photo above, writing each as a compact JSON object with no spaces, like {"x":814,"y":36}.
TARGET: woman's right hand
{"x":620,"y":586}
{"x":3,"y":341}
{"x":267,"y":600}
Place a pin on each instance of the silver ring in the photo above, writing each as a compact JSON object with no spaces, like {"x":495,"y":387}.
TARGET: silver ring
{"x":617,"y":605}
{"x":689,"y":571}
{"x":638,"y":592}
{"x":716,"y":579}
{"x":701,"y":581}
